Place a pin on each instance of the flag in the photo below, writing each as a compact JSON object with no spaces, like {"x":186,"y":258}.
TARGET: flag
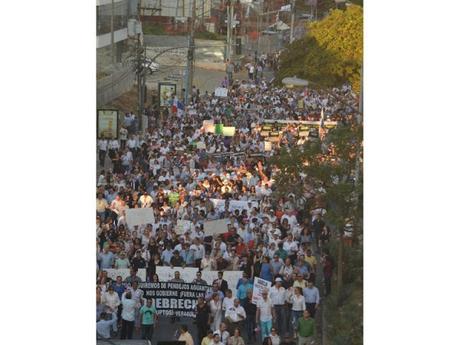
{"x":174,"y":105}
{"x":321,"y":124}
{"x":321,"y":131}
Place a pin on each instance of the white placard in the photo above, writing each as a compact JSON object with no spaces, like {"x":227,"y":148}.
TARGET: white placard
{"x":201,"y":145}
{"x":139,"y":216}
{"x":221,"y":92}
{"x":166,"y":273}
{"x":213,"y":227}
{"x":183,"y":226}
{"x":112,"y":273}
{"x":219,"y":205}
{"x":259,"y":286}
{"x":267,"y":145}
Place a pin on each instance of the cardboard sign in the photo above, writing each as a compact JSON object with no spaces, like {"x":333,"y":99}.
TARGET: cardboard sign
{"x":183,"y":226}
{"x":213,"y":227}
{"x":221,"y":92}
{"x":267,"y":145}
{"x":259,"y":286}
{"x":228,"y":131}
{"x":139,"y":216}
{"x":219,"y":128}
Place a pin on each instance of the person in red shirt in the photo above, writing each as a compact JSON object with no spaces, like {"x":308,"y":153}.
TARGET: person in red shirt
{"x":241,"y":248}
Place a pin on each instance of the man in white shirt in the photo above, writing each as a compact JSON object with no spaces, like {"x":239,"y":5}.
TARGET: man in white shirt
{"x":123,"y":137}
{"x":290,"y":246}
{"x":292,"y":220}
{"x":265,"y":314}
{"x":278,"y":297}
{"x":223,"y":333}
{"x":228,"y":301}
{"x":216,"y":339}
{"x":127,"y":315}
{"x":111,"y":299}
{"x":235,"y":316}
{"x":199,"y":251}
{"x":145,"y":201}
{"x":102,"y":146}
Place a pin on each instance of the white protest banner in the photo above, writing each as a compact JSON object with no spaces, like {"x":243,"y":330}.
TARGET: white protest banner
{"x":259,"y":286}
{"x":183,"y":226}
{"x":166,"y":273}
{"x":221,"y":92}
{"x":231,"y":277}
{"x":139,"y":216}
{"x":242,"y":205}
{"x":112,"y":273}
{"x":219,"y":205}
{"x":213,"y":227}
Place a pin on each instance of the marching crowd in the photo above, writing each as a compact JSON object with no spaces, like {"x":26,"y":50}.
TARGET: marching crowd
{"x":177,"y":168}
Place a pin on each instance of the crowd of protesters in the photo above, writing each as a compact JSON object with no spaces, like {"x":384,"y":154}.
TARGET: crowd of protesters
{"x":176,"y":168}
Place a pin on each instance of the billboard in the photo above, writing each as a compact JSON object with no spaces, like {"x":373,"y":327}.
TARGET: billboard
{"x":107,"y":124}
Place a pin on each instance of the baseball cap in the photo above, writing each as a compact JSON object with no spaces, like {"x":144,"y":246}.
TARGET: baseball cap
{"x":279,"y":280}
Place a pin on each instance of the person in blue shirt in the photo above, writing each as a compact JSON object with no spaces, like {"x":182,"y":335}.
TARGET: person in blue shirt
{"x":266,"y":270}
{"x":167,"y":255}
{"x":242,"y":292}
{"x":105,"y":324}
{"x":302,"y":266}
{"x":106,"y":258}
{"x":188,"y":255}
{"x":118,"y":286}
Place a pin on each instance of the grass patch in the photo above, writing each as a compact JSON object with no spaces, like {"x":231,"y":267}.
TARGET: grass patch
{"x":153,"y":29}
{"x":206,"y":35}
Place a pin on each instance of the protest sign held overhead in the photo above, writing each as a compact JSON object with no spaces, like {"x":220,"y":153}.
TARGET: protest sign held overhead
{"x":139,"y":216}
{"x":213,"y":227}
{"x":259,"y":286}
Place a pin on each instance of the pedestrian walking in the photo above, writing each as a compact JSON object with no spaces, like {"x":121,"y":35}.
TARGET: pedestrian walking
{"x":149,"y":316}
{"x":306,"y":328}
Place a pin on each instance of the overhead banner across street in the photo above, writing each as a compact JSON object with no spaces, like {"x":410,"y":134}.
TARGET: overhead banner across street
{"x":174,"y":299}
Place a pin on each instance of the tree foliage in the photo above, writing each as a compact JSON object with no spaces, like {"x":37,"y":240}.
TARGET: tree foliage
{"x":334,"y":167}
{"x":331,"y":53}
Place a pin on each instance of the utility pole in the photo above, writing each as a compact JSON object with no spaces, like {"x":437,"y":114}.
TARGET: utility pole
{"x":229,"y":30}
{"x":202,"y":12}
{"x":112,"y":38}
{"x":190,"y":55}
{"x":291,"y":36}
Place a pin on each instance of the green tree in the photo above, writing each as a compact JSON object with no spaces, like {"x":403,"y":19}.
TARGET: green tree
{"x":331,"y":53}
{"x":333,"y":166}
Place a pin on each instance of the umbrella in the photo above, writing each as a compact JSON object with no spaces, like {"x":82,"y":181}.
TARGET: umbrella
{"x":294,"y":81}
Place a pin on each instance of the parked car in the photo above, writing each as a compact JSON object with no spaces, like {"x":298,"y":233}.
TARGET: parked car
{"x":269,"y":32}
{"x":307,"y":16}
{"x":150,"y":65}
